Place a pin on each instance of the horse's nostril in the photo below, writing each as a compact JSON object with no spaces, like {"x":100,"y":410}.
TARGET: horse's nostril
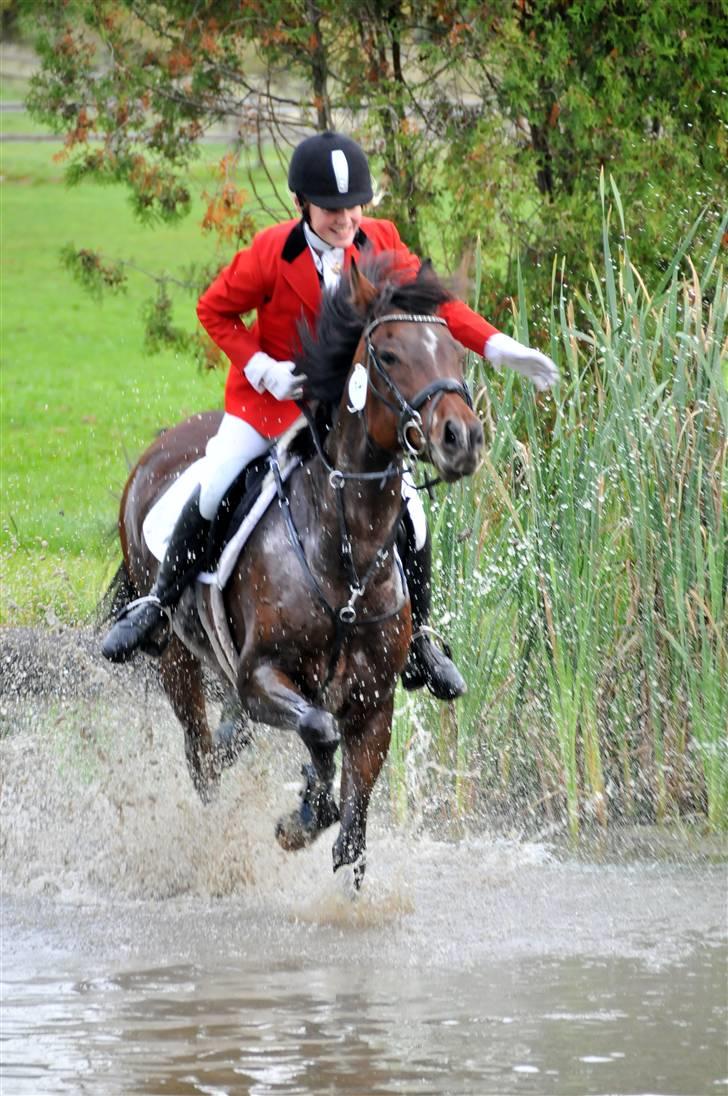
{"x":451,"y":436}
{"x":476,"y":435}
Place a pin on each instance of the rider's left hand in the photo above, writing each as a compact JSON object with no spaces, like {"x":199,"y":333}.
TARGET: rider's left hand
{"x":502,"y":350}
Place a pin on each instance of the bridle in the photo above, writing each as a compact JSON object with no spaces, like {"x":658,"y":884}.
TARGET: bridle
{"x":346,"y":617}
{"x":408,"y":411}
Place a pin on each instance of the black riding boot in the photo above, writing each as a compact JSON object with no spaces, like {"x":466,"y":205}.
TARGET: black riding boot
{"x":426,"y":663}
{"x":138,"y":622}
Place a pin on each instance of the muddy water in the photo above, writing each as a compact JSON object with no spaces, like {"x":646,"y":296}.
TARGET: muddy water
{"x":152,"y":945}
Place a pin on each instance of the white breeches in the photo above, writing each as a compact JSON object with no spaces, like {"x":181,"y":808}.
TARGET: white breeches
{"x":234,"y":445}
{"x":237,"y":443}
{"x":415,"y":509}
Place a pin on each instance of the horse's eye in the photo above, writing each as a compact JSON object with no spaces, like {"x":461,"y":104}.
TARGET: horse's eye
{"x":388,"y":358}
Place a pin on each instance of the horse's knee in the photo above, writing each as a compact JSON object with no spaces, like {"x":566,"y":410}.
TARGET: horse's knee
{"x":318,"y":729}
{"x":320,"y":733}
{"x":205,"y":774}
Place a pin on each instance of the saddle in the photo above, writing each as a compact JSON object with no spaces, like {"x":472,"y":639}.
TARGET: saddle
{"x":241,"y":508}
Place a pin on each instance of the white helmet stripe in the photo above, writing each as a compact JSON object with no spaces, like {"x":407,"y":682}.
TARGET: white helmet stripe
{"x":341,"y":170}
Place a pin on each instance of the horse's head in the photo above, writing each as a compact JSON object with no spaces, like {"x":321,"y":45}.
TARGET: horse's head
{"x":417,"y":399}
{"x":406,"y":378}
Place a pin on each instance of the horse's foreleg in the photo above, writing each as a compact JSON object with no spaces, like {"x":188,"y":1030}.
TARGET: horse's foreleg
{"x":181,"y":676}
{"x":364,"y":749}
{"x":271,"y":697}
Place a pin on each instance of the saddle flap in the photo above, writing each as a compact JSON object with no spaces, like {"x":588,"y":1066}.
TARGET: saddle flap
{"x":234,"y":507}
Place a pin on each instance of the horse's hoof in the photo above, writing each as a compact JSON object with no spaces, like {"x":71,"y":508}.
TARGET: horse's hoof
{"x":347,"y":856}
{"x":318,"y":811}
{"x":351,"y":876}
{"x":206,"y":781}
{"x":291,"y":834}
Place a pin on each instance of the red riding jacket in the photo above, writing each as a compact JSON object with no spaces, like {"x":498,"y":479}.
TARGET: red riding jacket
{"x":277,"y":278}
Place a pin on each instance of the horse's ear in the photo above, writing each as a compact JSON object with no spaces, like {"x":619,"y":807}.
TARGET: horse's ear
{"x":363,"y":292}
{"x":431,"y":283}
{"x":460,"y":281}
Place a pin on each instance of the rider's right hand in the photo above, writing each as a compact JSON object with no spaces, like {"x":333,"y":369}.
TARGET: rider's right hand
{"x":278,"y":378}
{"x":502,"y":350}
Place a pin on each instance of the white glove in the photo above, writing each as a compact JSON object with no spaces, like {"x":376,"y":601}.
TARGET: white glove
{"x":278,"y":378}
{"x":502,"y":350}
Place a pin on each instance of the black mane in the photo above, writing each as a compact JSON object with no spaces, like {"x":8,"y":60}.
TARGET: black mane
{"x":326,"y":353}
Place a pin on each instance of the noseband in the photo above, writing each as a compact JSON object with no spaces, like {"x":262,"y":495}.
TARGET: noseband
{"x":409,"y":419}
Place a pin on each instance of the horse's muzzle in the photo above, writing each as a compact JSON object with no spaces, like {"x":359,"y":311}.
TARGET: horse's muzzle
{"x":458,"y":449}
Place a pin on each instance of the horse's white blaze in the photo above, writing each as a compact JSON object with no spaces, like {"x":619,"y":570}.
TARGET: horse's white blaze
{"x":431,"y":342}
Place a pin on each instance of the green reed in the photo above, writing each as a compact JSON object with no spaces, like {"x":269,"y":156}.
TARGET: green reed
{"x":584,"y":569}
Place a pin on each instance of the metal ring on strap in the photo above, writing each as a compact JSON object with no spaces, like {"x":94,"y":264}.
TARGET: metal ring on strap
{"x":414,"y":423}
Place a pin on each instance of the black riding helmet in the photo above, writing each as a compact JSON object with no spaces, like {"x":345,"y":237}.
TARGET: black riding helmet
{"x":331,"y":171}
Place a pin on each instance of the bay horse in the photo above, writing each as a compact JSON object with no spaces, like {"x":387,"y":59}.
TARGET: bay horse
{"x":317,"y":604}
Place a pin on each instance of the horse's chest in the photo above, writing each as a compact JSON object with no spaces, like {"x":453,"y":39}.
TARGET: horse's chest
{"x":364,"y":671}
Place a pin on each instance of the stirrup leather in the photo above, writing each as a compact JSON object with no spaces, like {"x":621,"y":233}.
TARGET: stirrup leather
{"x":432,"y":633}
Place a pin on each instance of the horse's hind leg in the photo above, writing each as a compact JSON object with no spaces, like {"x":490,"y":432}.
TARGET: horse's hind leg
{"x":181,"y":675}
{"x":233,"y":733}
{"x":272,"y":697}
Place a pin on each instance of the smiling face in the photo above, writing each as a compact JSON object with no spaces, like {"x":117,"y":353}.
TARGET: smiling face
{"x":337,"y":227}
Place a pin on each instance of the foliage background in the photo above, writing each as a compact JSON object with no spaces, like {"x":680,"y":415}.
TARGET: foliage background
{"x":586,"y":573}
{"x":489,"y":120}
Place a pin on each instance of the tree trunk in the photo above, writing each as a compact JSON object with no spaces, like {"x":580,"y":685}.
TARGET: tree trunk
{"x":319,"y":70}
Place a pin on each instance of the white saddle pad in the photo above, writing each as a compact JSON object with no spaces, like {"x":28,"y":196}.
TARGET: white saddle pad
{"x":160,"y":521}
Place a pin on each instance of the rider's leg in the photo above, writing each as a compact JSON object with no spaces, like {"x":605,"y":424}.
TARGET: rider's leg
{"x":234,"y":445}
{"x":426,"y":663}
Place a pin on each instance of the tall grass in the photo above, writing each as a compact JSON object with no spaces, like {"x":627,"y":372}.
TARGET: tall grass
{"x":585,"y":569}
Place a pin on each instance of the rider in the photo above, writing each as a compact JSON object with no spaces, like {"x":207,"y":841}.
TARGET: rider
{"x":281,"y":277}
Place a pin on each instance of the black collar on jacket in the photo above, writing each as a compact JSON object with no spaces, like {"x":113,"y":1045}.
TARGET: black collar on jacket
{"x":296,"y":242}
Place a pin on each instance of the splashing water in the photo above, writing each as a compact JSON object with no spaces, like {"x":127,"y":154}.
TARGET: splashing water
{"x":151,"y":943}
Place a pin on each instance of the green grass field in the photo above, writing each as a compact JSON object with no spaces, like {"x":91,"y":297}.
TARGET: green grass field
{"x":81,"y":397}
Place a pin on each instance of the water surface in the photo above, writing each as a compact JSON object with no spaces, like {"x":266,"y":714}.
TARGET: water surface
{"x":152,"y":945}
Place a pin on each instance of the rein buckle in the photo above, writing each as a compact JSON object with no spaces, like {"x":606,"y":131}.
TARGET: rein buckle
{"x":347,"y":613}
